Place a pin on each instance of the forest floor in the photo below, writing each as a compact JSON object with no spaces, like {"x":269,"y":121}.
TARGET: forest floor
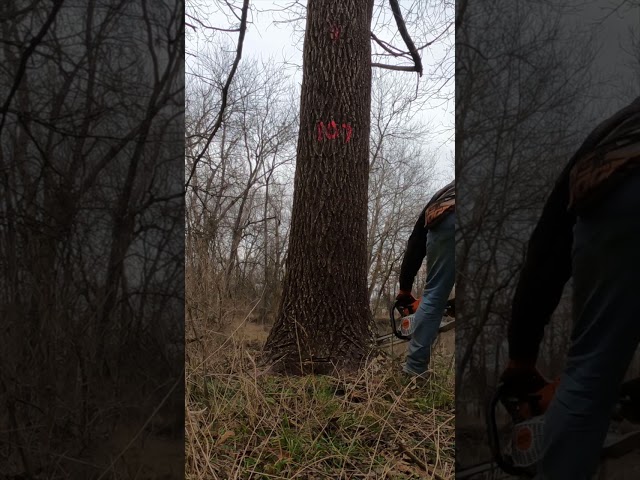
{"x":374,"y":425}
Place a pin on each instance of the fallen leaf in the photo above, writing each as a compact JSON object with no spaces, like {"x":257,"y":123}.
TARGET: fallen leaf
{"x":224,"y":437}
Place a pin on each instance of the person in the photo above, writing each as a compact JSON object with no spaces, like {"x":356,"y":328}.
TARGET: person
{"x":434,"y":236}
{"x":589,"y":230}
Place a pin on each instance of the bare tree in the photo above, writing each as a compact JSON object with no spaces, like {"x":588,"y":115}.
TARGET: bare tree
{"x":232,"y":203}
{"x":326,"y":265}
{"x":90,"y":227}
{"x":240,"y":201}
{"x":402,"y":175}
{"x":227,"y":84}
{"x":516,"y":91}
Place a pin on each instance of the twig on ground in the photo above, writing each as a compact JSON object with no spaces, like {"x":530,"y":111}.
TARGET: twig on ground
{"x":403,"y":448}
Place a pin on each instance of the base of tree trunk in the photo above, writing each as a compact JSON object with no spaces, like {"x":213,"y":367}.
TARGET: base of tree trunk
{"x":291,"y":364}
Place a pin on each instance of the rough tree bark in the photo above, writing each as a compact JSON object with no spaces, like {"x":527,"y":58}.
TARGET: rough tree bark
{"x":324,"y":316}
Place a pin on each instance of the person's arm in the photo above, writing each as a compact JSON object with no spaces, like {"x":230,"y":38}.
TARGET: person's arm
{"x":414,"y":255}
{"x":546,"y":270}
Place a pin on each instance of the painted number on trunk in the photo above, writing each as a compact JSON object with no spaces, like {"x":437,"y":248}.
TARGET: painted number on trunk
{"x":331,"y":131}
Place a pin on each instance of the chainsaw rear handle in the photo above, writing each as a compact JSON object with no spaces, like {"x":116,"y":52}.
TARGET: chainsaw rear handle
{"x":505,"y":464}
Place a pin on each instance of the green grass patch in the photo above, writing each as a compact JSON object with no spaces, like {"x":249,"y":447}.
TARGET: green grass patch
{"x":318,"y":427}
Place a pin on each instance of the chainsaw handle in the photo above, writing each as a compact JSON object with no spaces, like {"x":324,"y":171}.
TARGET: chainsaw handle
{"x":494,"y":439}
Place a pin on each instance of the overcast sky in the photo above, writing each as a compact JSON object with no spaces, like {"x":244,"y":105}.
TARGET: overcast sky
{"x":268,"y":37}
{"x":614,"y":27}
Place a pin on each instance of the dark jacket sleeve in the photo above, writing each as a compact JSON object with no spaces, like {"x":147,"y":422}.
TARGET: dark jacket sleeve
{"x":546,"y":270}
{"x":547,"y":266}
{"x":415,"y":253}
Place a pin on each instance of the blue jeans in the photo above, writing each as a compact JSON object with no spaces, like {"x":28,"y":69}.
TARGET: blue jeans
{"x":441,"y":268}
{"x":606,"y":333}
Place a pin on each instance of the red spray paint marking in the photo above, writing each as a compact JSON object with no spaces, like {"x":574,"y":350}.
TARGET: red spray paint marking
{"x":347,"y":127}
{"x":335,"y":33}
{"x":331,"y":131}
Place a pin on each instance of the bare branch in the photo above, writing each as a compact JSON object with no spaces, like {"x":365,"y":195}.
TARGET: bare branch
{"x":234,"y":12}
{"x":399,"y":53}
{"x":395,"y":67}
{"x":225,"y":90}
{"x":25,"y":58}
{"x":438,"y":37}
{"x":402,"y":28}
{"x":208,"y":27}
{"x":388,"y":47}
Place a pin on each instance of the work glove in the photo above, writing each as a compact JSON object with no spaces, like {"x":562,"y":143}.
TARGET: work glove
{"x":522,"y":378}
{"x":405,"y":299}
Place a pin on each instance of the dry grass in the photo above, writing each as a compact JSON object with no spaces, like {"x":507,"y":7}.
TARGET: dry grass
{"x":241,"y":424}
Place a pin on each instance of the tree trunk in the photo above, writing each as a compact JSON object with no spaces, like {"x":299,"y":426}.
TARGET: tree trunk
{"x":324,"y":316}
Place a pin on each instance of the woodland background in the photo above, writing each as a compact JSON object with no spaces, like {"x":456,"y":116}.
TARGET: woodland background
{"x":532,"y":80}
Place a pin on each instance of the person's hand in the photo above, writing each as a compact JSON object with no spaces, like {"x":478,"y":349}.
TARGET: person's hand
{"x":521,"y":378}
{"x":407,"y":302}
{"x":405,"y":298}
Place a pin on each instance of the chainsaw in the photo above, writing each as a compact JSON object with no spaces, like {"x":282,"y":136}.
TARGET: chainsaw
{"x":526,"y":412}
{"x":520,"y":455}
{"x":401,"y":318}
